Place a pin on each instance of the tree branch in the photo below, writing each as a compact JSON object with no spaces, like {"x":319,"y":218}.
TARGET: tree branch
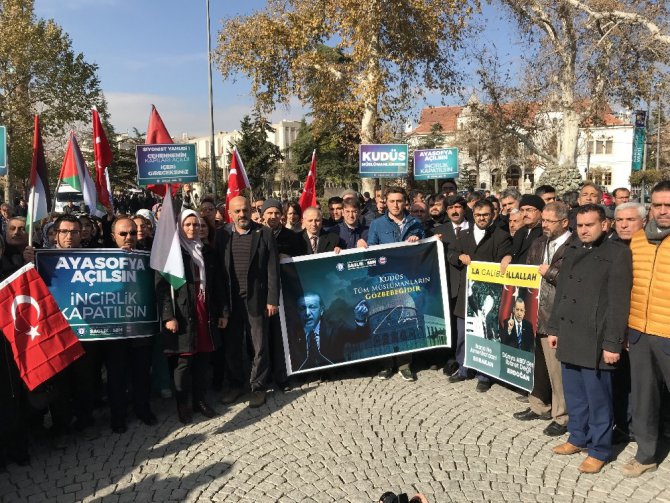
{"x":625,"y":17}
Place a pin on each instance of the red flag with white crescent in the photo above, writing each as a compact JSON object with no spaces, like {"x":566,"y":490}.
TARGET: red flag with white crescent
{"x":157,"y":134}
{"x":41,"y":338}
{"x":237,"y":179}
{"x":102,"y":153}
{"x":308,"y":196}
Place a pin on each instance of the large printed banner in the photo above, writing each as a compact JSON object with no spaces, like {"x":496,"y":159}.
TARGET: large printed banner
{"x":103,"y":293}
{"x":363,"y":304}
{"x":501,"y":321}
{"x":435,"y":163}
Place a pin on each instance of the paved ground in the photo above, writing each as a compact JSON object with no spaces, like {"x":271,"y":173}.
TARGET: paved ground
{"x":344,"y":440}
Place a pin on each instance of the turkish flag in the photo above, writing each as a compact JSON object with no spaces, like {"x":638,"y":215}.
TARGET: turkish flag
{"x":308,"y":196}
{"x":506,"y":307}
{"x":102,"y":154}
{"x":157,"y":134}
{"x":237,"y":179}
{"x":41,"y":338}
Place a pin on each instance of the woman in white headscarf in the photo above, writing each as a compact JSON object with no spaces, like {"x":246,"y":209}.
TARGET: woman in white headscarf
{"x":190,"y":315}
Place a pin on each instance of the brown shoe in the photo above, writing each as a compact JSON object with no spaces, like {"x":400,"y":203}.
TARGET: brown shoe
{"x":634,"y":468}
{"x":257,"y":399}
{"x":591,"y":465}
{"x":567,"y":449}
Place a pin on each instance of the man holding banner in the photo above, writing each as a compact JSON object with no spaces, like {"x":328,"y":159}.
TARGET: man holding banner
{"x":482,"y":242}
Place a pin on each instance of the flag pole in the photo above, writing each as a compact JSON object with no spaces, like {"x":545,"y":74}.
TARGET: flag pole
{"x":32,"y":214}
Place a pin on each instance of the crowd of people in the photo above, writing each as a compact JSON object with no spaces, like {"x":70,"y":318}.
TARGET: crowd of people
{"x":601,"y":347}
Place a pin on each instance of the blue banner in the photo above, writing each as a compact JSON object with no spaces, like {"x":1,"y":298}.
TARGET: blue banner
{"x":363,"y":304}
{"x":103,"y":293}
{"x":435,"y":163}
{"x":383,"y":161}
{"x":158,"y":164}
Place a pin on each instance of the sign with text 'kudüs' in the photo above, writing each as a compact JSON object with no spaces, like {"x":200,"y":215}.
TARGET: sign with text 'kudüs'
{"x":383,"y":161}
{"x":104,"y":293}
{"x":159,"y":164}
{"x":435,"y":163}
{"x":363,"y":304}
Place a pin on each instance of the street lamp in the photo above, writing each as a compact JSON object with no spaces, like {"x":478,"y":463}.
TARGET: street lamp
{"x":212,"y":153}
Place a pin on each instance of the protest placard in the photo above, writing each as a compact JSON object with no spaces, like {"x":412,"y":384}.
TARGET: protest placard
{"x":103,"y":293}
{"x":501,"y":321}
{"x":363,"y":304}
{"x":173,"y":163}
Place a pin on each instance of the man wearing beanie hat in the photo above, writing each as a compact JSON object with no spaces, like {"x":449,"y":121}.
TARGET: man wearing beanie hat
{"x":531,"y":207}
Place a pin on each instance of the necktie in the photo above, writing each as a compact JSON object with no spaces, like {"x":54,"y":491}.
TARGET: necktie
{"x":458,"y":231}
{"x":311,"y":346}
{"x":551,"y":248}
{"x":313,"y":239}
{"x":518,"y":333}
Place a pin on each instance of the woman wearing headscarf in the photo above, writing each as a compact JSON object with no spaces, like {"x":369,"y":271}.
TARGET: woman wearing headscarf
{"x":48,"y":235}
{"x":189,"y":317}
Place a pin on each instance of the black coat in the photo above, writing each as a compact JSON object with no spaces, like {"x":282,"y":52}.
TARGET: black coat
{"x":263,"y":274}
{"x":590,"y":313}
{"x":448,"y":236}
{"x":327,"y":242}
{"x":184,"y":310}
{"x":289,"y":243}
{"x":493,"y":247}
{"x":522,"y":241}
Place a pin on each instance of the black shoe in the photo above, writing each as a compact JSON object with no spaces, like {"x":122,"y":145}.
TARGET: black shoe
{"x":450,"y":368}
{"x":204,"y":409}
{"x":185,"y":413}
{"x":457,"y":378}
{"x":529,"y":415}
{"x":148,"y":418}
{"x":483,"y":386}
{"x":555,"y":430}
{"x":119,"y":427}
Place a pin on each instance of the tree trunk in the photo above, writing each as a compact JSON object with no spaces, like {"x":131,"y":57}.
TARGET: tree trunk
{"x":370,"y":114}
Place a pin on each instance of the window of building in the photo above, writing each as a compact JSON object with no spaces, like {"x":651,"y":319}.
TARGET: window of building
{"x":601,"y":146}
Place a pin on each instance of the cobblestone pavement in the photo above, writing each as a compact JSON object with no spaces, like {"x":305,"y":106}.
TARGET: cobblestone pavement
{"x":342,"y":440}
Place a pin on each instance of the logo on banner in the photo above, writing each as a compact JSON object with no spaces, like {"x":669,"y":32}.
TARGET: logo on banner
{"x":382,"y":260}
{"x":340,"y":267}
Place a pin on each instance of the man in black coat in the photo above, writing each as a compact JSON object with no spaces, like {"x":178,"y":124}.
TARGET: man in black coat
{"x":316,"y":239}
{"x":531,"y":207}
{"x":518,"y":332}
{"x":587,"y":326}
{"x":248,"y":257}
{"x":483,"y":242}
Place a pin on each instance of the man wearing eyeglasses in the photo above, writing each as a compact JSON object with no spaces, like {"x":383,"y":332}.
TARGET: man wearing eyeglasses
{"x":483,"y":242}
{"x":531,"y":207}
{"x":547,"y":252}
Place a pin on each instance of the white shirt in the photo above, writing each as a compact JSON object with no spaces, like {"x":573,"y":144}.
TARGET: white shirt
{"x":554,"y":245}
{"x":464,"y":225}
{"x":478,"y":234}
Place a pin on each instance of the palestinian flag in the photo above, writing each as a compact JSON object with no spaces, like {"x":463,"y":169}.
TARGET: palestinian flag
{"x":75,"y":173}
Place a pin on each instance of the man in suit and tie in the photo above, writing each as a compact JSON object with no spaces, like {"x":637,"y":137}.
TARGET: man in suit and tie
{"x":518,"y":332}
{"x":531,"y":207}
{"x":315,"y":238}
{"x":247,"y":256}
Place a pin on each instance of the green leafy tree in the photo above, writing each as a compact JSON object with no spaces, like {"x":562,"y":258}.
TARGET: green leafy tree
{"x":40,"y":73}
{"x":260,"y":156}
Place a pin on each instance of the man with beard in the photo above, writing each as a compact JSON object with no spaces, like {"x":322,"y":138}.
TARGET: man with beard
{"x":531,"y":207}
{"x":482,"y":242}
{"x":247,"y":255}
{"x":547,"y":252}
{"x":436,"y":209}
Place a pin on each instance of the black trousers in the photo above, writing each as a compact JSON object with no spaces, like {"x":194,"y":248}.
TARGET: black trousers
{"x":276,"y":347}
{"x":254,"y":329}
{"x":140,"y":354}
{"x":189,"y":376}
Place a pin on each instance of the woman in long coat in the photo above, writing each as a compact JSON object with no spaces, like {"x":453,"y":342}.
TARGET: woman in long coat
{"x":189,"y":317}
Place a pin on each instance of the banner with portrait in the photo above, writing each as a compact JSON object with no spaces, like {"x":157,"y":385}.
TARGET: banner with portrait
{"x":362,"y":305}
{"x":501,"y":321}
{"x":103,"y":293}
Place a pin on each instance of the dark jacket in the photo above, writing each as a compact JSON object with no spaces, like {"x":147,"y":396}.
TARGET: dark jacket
{"x":263,"y":274}
{"x":448,"y":236}
{"x":493,"y":247}
{"x":511,"y":338}
{"x":349,"y":237}
{"x":289,"y":242}
{"x":590,"y":313}
{"x":327,"y":242}
{"x":184,"y":310}
{"x":548,"y":285}
{"x":521,"y":243}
